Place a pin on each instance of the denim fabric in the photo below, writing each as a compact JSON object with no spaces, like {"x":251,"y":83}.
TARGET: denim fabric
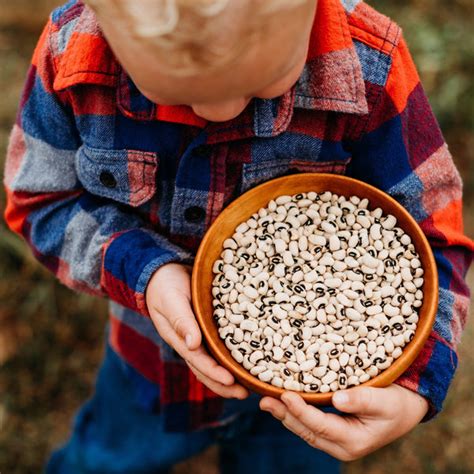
{"x":114,"y":434}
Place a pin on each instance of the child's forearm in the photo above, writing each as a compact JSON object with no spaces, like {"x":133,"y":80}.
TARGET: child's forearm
{"x":87,"y":241}
{"x":431,"y":373}
{"x":403,"y":152}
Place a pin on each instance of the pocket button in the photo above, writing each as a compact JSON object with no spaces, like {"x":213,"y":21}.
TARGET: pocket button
{"x":108,"y":179}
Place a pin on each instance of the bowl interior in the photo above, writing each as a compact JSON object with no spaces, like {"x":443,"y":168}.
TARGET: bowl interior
{"x":247,"y":204}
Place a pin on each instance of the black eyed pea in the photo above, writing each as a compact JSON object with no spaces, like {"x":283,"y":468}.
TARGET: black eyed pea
{"x":274,"y":270}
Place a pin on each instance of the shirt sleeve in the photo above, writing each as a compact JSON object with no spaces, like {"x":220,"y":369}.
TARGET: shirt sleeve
{"x":402,"y":152}
{"x":90,"y":243}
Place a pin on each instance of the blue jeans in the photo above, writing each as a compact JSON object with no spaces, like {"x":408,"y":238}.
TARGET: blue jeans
{"x":113,"y":434}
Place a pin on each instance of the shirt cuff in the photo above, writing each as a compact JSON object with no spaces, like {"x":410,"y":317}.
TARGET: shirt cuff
{"x":431,"y":373}
{"x":129,"y":261}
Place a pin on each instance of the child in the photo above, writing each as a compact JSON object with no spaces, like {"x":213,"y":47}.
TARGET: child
{"x":119,"y":161}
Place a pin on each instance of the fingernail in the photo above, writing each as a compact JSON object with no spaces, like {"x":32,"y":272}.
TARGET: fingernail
{"x":285,"y":396}
{"x":188,"y":340}
{"x":341,"y":397}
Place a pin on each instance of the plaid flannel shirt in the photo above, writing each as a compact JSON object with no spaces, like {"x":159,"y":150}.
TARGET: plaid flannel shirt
{"x":106,"y":186}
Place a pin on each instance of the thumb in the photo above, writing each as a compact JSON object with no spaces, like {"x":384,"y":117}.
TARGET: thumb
{"x":361,"y":401}
{"x":186,"y":326}
{"x":179,"y":313}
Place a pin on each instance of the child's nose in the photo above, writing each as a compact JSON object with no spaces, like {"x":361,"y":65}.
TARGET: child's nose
{"x":221,"y":111}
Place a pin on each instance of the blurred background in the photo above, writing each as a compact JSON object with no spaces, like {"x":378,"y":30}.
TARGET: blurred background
{"x":51,"y":339}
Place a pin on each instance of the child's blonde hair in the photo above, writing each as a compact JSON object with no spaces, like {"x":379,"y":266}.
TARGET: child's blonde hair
{"x":191,"y":32}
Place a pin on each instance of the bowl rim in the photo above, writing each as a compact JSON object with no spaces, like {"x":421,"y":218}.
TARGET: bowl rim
{"x":387,"y":376}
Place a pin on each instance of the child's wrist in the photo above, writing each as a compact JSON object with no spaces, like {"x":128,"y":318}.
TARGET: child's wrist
{"x":417,"y":402}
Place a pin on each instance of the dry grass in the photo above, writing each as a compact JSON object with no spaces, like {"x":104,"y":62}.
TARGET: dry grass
{"x":51,"y":339}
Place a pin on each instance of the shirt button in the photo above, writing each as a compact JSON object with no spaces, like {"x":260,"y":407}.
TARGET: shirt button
{"x":194,"y":214}
{"x":108,"y":179}
{"x":201,"y":151}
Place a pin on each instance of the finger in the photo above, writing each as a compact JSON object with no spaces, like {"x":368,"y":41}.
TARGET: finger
{"x":367,"y":401}
{"x":177,"y":309}
{"x":281,"y":412}
{"x":231,"y":391}
{"x":274,"y":406}
{"x":209,"y":367}
{"x":199,"y":358}
{"x":326,"y":425}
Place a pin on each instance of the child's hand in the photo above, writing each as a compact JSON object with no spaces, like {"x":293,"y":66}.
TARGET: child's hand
{"x":378,"y":417}
{"x":168,"y":298}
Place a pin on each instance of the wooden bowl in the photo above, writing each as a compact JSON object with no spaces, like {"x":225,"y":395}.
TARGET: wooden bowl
{"x":247,"y":204}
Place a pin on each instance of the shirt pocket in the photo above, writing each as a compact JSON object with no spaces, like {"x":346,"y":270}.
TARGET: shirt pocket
{"x":125,"y":176}
{"x":289,"y":156}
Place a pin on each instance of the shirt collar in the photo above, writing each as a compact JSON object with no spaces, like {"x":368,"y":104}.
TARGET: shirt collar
{"x":331,"y":80}
{"x":332,"y":77}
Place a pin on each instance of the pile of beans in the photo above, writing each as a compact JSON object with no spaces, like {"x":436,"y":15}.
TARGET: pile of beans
{"x":316,"y":292}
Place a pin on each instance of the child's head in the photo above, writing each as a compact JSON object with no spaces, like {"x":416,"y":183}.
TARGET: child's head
{"x":213,"y":55}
